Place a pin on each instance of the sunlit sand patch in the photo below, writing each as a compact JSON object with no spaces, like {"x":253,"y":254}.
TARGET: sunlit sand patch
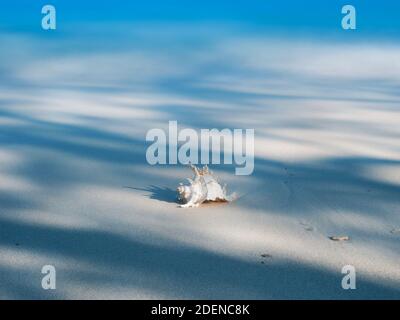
{"x":10,"y":182}
{"x":386,"y":173}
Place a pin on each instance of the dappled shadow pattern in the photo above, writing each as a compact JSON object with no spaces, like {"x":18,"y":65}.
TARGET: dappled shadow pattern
{"x":48,"y":152}
{"x":177,"y":271}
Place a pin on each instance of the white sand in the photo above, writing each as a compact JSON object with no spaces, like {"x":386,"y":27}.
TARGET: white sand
{"x":76,"y":191}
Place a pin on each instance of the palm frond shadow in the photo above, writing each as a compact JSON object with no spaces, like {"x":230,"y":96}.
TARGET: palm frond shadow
{"x":164,"y":194}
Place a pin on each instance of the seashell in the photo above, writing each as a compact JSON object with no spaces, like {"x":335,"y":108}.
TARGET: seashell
{"x":339,"y":238}
{"x":202,"y":188}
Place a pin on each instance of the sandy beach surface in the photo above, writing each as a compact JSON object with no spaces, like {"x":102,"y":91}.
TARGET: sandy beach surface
{"x":77,"y":193}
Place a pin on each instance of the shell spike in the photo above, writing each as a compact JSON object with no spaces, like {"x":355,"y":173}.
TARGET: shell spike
{"x":194,"y":168}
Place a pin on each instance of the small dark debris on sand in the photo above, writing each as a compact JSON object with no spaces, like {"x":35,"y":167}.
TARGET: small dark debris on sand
{"x":395,"y":231}
{"x":265,"y":256}
{"x":339,"y":238}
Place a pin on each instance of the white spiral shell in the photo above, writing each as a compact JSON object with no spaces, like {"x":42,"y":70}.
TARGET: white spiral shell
{"x":203,"y":187}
